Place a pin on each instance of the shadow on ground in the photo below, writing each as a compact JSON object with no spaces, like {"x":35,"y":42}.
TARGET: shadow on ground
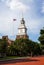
{"x":17,"y":61}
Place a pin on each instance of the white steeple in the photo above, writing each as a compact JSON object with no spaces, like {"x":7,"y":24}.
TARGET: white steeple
{"x":22,"y":30}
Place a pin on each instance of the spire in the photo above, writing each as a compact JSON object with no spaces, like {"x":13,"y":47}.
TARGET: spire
{"x":22,"y":15}
{"x":22,"y":30}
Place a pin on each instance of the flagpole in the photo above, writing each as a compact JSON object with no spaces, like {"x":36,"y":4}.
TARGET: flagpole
{"x":13,"y":25}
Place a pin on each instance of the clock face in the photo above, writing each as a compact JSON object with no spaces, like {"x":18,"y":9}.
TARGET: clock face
{"x":23,"y":30}
{"x":19,"y":31}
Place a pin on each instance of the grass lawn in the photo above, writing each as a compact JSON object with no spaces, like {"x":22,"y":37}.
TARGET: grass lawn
{"x":12,"y":57}
{"x":9,"y":57}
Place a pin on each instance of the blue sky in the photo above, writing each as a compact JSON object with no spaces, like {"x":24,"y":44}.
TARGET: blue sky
{"x":33,"y":13}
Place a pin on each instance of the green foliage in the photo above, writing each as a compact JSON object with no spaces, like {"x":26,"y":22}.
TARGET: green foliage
{"x":11,"y":50}
{"x":26,"y":47}
{"x":41,"y":38}
{"x":20,"y":47}
{"x":3,"y":47}
{"x":42,"y":31}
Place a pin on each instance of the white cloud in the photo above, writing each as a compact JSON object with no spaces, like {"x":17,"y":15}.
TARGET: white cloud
{"x":7,"y":24}
{"x":34,"y":25}
{"x":16,"y":5}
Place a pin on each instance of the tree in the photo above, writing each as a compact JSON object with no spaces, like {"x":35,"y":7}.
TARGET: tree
{"x":3,"y":47}
{"x":42,"y":31}
{"x":21,"y":46}
{"x":37,"y":49}
{"x":41,"y":38}
{"x":26,"y":47}
{"x":11,"y":50}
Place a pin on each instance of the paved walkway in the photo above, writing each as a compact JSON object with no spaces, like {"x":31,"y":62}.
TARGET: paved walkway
{"x":25,"y":61}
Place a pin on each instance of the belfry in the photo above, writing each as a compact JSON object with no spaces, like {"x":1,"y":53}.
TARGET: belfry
{"x":22,"y":30}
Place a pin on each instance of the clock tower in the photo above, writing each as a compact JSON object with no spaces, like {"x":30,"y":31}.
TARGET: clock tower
{"x":22,"y":30}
